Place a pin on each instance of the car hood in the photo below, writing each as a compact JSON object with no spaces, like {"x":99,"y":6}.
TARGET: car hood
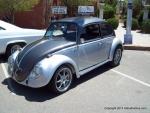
{"x":35,"y":52}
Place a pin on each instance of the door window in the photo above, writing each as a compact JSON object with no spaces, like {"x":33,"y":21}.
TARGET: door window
{"x":90,"y":32}
{"x":106,"y":30}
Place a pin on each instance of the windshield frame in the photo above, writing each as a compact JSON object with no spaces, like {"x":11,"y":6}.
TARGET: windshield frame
{"x":57,"y":22}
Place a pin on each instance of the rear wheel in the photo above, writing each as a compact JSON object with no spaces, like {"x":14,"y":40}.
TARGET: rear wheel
{"x":116,"y":57}
{"x":61,"y":80}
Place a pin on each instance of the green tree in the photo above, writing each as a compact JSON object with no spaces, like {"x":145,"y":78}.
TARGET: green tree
{"x":111,"y":2}
{"x":137,"y":7}
{"x":10,"y":7}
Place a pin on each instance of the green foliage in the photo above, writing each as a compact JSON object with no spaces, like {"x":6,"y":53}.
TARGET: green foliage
{"x":114,"y":22}
{"x":111,"y":2}
{"x":73,"y":4}
{"x":17,"y":5}
{"x":109,"y":11}
{"x":140,"y":18}
{"x":9,"y":7}
{"x":135,"y":24}
{"x":76,"y":2}
{"x":137,"y":7}
{"x":146,"y":26}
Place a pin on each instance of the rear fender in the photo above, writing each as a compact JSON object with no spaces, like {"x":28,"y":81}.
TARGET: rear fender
{"x":116,"y":42}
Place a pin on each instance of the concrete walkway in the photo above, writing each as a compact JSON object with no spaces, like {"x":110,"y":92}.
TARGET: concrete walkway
{"x":141,"y":41}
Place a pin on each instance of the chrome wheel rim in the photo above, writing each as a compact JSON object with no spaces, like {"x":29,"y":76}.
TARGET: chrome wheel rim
{"x":117,"y":56}
{"x":15,"y":48}
{"x":63,"y":79}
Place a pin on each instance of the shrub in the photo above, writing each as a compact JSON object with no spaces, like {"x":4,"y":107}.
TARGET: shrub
{"x":109,"y":11}
{"x":140,"y":18}
{"x":114,"y":22}
{"x":146,"y":26}
{"x":135,"y":24}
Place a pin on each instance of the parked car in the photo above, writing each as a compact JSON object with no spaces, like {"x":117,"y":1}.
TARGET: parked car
{"x":70,"y":48}
{"x":13,"y":37}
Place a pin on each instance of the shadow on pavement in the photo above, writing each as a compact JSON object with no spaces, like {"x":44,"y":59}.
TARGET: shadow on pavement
{"x":43,"y":94}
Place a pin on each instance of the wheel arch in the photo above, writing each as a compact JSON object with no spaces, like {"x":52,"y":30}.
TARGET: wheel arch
{"x":116,"y":43}
{"x":20,"y":42}
{"x":51,"y":64}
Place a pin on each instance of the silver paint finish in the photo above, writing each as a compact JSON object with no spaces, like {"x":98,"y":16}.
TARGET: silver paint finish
{"x":81,"y":58}
{"x":11,"y":62}
{"x":72,"y":56}
{"x":115,"y":43}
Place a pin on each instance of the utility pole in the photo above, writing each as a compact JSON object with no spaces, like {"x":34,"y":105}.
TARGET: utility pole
{"x":128,"y":35}
{"x":101,"y":6}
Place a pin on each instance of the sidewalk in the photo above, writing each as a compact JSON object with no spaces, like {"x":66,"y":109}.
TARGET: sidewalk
{"x":141,"y":41}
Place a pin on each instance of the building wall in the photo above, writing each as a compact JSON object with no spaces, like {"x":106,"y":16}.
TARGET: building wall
{"x":32,"y":19}
{"x":40,"y":16}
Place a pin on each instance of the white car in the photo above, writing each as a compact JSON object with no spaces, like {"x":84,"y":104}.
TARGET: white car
{"x":13,"y":37}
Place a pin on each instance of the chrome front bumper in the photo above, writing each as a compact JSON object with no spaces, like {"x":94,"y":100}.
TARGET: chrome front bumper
{"x":40,"y":81}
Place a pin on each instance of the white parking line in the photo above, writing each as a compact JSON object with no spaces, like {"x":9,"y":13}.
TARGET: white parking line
{"x":147,"y":53}
{"x":4,"y":70}
{"x":7,"y":76}
{"x":131,"y":78}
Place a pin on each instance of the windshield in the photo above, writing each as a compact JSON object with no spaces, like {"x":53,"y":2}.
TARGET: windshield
{"x":60,"y":30}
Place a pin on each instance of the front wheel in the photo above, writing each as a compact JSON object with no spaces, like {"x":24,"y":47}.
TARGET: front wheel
{"x":61,"y":80}
{"x":116,"y":57}
{"x":12,"y":48}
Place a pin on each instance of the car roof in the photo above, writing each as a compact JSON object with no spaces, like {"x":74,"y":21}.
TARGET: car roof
{"x":8,"y":26}
{"x":82,"y":21}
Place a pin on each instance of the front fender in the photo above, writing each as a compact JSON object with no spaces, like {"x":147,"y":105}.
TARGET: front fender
{"x":51,"y":64}
{"x":116,"y":42}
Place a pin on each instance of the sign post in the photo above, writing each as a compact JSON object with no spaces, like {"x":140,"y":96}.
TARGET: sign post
{"x":128,"y":35}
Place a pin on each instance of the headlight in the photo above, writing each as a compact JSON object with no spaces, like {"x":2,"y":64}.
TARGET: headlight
{"x":11,"y":62}
{"x":36,"y":72}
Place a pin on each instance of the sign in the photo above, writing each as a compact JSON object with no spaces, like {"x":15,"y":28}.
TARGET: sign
{"x":85,"y":9}
{"x":59,"y":10}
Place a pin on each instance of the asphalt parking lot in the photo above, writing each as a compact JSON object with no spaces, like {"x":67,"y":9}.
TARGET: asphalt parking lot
{"x":123,"y":89}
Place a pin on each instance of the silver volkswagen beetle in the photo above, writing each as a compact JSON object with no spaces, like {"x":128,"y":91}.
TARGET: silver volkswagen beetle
{"x":70,"y":48}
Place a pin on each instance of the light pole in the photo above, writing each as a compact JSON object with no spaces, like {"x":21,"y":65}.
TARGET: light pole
{"x":128,"y":35}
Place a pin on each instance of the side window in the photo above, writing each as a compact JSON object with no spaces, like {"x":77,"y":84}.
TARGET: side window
{"x":106,"y":30}
{"x":90,"y":32}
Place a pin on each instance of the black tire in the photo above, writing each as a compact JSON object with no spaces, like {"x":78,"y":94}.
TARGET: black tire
{"x":62,"y":77}
{"x":13,"y":47}
{"x":116,"y":57}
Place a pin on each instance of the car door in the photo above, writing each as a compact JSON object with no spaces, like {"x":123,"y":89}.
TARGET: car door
{"x":107,"y":36}
{"x":89,"y":49}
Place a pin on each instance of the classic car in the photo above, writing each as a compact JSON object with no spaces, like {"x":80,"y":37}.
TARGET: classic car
{"x":70,"y":48}
{"x":13,"y":37}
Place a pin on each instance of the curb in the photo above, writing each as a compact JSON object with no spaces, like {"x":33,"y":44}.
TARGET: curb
{"x":136,"y":47}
